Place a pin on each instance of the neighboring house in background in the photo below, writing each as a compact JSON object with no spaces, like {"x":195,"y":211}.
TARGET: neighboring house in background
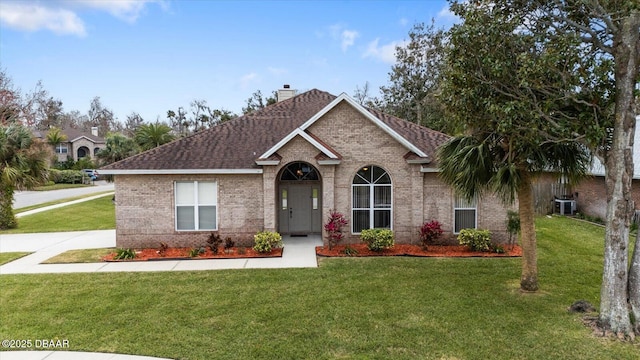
{"x":77,"y":145}
{"x":284,"y":168}
{"x":590,"y":194}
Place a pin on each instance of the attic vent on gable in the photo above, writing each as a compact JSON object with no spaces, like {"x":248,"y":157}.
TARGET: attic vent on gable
{"x":286,"y":93}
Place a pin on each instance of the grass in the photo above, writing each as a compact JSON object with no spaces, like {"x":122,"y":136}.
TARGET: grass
{"x":38,"y":206}
{"x":10,"y":256}
{"x":97,"y":214}
{"x":80,"y":256}
{"x":348,"y":308}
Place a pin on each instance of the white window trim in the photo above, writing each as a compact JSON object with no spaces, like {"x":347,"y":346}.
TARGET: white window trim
{"x":371,"y":207}
{"x":59,"y":148}
{"x":196,"y":206}
{"x":475,"y":213}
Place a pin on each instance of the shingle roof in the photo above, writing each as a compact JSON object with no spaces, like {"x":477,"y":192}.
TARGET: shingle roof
{"x":238,"y":143}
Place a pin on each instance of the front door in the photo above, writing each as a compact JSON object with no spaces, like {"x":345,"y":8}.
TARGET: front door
{"x":300,"y":206}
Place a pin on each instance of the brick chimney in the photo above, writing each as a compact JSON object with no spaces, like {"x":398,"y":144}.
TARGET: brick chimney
{"x":286,"y":93}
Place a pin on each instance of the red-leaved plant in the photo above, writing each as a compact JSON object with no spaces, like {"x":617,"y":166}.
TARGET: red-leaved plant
{"x":430,"y":232}
{"x":334,"y":226}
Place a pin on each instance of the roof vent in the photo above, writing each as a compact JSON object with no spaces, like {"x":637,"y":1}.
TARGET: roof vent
{"x":286,"y":93}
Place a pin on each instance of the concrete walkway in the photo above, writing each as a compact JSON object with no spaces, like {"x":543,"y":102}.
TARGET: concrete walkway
{"x":298,"y":252}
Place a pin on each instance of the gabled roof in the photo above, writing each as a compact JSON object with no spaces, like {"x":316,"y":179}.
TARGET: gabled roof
{"x":235,"y":146}
{"x":72,"y":135}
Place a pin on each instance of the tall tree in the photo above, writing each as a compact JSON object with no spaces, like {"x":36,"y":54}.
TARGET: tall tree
{"x":515,"y":126}
{"x":415,"y":78}
{"x":611,"y":29}
{"x":100,"y":117}
{"x":23,"y":165}
{"x":149,"y":136}
{"x":133,"y":122}
{"x":118,"y":147}
{"x":258,"y":102}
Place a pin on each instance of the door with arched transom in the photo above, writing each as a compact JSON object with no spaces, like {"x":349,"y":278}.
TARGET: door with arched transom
{"x":299,"y":192}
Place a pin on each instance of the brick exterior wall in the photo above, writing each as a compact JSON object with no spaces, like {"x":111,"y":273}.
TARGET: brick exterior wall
{"x":249,"y":203}
{"x":145,"y":214}
{"x":591,"y":196}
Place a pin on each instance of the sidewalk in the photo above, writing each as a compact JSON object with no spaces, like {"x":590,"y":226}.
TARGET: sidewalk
{"x":298,"y":252}
{"x":50,"y":207}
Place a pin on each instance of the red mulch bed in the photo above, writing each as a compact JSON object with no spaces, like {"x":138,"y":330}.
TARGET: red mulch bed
{"x":416,"y":250}
{"x":183,"y":254}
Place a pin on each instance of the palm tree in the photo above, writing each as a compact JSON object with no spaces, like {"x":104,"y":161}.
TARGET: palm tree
{"x":488,"y":161}
{"x":118,"y":147}
{"x":23,"y":165}
{"x":149,"y":136}
{"x":55,"y":137}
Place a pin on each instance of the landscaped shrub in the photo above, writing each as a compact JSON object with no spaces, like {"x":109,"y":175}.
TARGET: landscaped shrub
{"x":196,"y":252}
{"x":162,"y":249}
{"x":377,"y":239}
{"x":477,"y":240}
{"x":124,"y":254}
{"x":513,"y":225}
{"x":228,"y":244}
{"x":333,"y":227}
{"x":214,"y":242}
{"x":265,"y":241}
{"x":65,"y":176}
{"x":430,"y":232}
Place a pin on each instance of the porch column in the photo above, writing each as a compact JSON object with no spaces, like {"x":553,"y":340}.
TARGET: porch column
{"x":328,"y":195}
{"x":417,"y":202}
{"x":269,"y":197}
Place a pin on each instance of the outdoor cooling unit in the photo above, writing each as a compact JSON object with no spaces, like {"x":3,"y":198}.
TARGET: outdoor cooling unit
{"x":566,"y":207}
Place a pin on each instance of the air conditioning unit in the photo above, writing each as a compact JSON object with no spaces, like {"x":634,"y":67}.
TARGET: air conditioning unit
{"x":566,"y":207}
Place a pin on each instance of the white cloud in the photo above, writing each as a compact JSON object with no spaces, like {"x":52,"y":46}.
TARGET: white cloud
{"x":446,"y":14}
{"x":385,"y":53}
{"x":127,"y":10}
{"x":277,"y":71}
{"x":34,"y":17}
{"x":347,"y":37}
{"x":62,"y":17}
{"x":248,"y":79}
{"x":403,"y":22}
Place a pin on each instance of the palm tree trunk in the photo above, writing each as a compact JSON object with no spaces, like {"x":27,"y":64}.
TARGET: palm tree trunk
{"x":7,"y":218}
{"x":529,"y":278}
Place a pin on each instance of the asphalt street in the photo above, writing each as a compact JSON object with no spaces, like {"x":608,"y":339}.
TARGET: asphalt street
{"x":28,"y":198}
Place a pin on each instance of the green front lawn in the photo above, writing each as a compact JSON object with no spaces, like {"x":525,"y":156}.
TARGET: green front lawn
{"x":10,"y":256}
{"x":97,"y":214}
{"x":348,"y":308}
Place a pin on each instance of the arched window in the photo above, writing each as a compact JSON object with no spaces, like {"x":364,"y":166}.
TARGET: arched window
{"x":371,"y":194}
{"x":299,"y":171}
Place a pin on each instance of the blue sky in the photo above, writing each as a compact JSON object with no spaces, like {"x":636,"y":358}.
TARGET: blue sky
{"x":152,"y":56}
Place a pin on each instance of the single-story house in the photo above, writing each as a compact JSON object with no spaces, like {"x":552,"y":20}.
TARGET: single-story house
{"x":77,"y":145}
{"x":284,"y":168}
{"x":590,"y":193}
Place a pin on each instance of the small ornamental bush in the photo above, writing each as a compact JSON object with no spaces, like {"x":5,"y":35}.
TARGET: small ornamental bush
{"x":377,"y":239}
{"x":213,"y":242}
{"x":265,"y":241}
{"x":334,"y":226}
{"x":162,"y":249}
{"x":430,"y":232}
{"x":124,"y":254}
{"x":196,"y":252}
{"x":477,"y":240}
{"x":228,"y":244}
